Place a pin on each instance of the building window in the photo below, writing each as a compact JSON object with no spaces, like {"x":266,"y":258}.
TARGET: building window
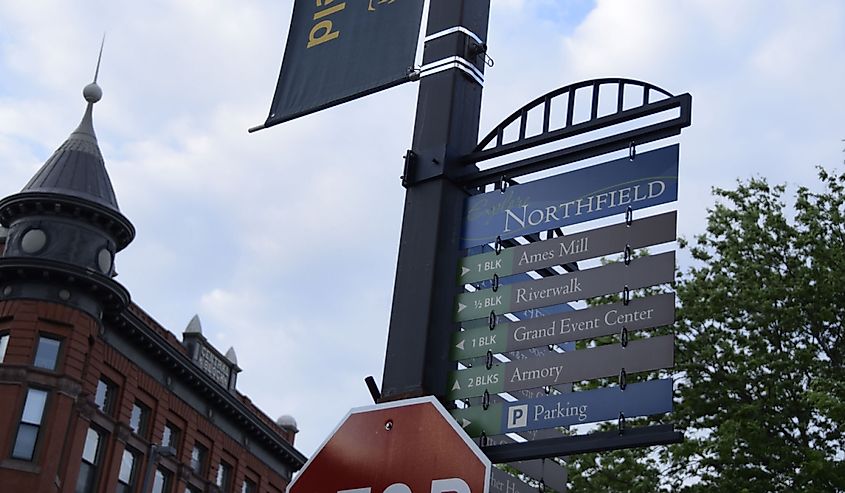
{"x":4,"y":343}
{"x":106,"y":395}
{"x":224,"y":477}
{"x":33,"y":412}
{"x":249,"y":487}
{"x":126,"y":476}
{"x":161,"y":481}
{"x":47,"y":352}
{"x":171,"y":436}
{"x":198,"y":458}
{"x":139,"y":419}
{"x":91,"y":457}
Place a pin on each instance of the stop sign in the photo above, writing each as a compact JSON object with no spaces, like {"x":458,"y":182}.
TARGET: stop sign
{"x":409,"y":446}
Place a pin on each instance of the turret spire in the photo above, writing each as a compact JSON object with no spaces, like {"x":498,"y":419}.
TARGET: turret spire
{"x":65,"y":225}
{"x":92,"y":93}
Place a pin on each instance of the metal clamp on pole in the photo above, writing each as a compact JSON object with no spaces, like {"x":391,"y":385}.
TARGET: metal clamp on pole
{"x":450,"y":63}
{"x":456,"y":29}
{"x":456,"y":62}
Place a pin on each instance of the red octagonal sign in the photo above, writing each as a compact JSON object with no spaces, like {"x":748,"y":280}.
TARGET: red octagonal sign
{"x":410,"y":446}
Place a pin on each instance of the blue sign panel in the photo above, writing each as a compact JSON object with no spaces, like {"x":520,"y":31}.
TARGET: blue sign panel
{"x":638,"y":399}
{"x":570,"y":198}
{"x":572,"y":408}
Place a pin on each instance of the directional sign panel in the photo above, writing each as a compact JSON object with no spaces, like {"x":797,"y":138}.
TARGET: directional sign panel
{"x":596,"y":321}
{"x":502,"y":482}
{"x":552,"y":473}
{"x":641,"y":272}
{"x":603,"y":361}
{"x":570,"y":198}
{"x":638,"y":399}
{"x":520,"y":314}
{"x":571,"y":248}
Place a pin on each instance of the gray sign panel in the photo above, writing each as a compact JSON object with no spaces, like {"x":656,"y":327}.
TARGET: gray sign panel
{"x":502,"y":482}
{"x":584,"y":245}
{"x":596,"y":321}
{"x":641,"y":272}
{"x":553,"y":474}
{"x":586,"y":364}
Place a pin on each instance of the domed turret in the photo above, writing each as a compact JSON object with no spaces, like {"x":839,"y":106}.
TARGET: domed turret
{"x":65,"y":227}
{"x":287,"y":422}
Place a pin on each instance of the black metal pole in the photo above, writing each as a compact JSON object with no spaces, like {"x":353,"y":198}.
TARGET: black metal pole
{"x":446,"y":128}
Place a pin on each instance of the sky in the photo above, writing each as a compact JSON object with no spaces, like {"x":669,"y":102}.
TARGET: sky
{"x":284,"y":241}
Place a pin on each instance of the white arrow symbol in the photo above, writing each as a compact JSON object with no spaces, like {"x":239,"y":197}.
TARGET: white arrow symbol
{"x":465,"y":422}
{"x":460,"y":345}
{"x":457,"y":386}
{"x":464,"y":271}
{"x":461,"y":307}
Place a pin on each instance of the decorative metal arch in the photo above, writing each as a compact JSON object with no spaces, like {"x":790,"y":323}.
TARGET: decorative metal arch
{"x":643,"y":108}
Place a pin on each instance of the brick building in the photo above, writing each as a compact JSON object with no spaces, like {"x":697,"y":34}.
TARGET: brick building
{"x":95,"y":396}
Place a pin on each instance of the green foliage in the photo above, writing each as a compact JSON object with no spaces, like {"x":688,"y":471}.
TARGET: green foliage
{"x":761,"y":382}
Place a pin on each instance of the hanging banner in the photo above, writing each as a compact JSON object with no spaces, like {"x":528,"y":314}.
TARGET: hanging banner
{"x":338,"y":51}
{"x":571,"y":198}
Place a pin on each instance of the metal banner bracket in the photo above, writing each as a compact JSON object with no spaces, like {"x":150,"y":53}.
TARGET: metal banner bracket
{"x":422,"y":165}
{"x":474,"y":48}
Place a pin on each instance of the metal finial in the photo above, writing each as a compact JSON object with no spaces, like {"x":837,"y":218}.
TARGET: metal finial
{"x":92,"y":92}
{"x":99,"y":58}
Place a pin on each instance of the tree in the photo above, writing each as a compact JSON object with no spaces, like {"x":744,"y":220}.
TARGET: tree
{"x":761,"y":383}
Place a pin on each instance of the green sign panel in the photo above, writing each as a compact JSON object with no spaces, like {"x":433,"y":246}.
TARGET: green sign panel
{"x":641,"y":233}
{"x":596,"y":321}
{"x":603,"y":361}
{"x":640,"y":273}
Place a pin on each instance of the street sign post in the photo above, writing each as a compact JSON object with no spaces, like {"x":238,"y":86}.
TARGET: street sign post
{"x":640,"y":273}
{"x":590,"y":406}
{"x":402,"y":446}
